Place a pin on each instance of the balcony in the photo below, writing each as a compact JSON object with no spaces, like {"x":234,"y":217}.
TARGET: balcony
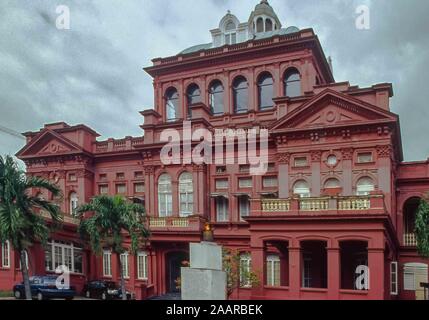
{"x":194,"y":223}
{"x":373,"y":204}
{"x":410,"y":240}
{"x":66,"y":219}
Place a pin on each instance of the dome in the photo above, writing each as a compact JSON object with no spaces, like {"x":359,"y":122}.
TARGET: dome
{"x":264,"y":8}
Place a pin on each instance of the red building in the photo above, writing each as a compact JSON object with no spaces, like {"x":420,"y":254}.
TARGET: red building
{"x":337,"y":194}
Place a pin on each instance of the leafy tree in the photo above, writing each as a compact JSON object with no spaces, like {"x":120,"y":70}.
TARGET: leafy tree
{"x":112,"y":219}
{"x":237,"y":275}
{"x":422,"y":228}
{"x":20,"y":221}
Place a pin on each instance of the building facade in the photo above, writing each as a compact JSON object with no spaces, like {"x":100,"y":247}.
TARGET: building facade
{"x":336,"y":194}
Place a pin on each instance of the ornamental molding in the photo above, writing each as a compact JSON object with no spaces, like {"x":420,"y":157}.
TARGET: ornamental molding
{"x":347,"y":154}
{"x":384,"y":151}
{"x":316,"y":156}
{"x":283,"y":158}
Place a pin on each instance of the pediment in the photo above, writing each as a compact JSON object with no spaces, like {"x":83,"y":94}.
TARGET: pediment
{"x":49,"y":143}
{"x":331,"y":109}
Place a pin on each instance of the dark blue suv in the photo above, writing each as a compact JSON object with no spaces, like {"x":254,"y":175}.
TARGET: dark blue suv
{"x":44,"y":287}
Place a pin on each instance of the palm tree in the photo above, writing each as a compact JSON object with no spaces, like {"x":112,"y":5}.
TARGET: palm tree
{"x":113,"y":219}
{"x":20,"y":221}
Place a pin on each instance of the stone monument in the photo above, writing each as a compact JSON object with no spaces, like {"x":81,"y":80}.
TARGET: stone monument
{"x":204,"y":279}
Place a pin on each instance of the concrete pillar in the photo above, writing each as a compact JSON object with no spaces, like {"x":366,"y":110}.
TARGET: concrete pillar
{"x":334,"y":272}
{"x":295,"y":272}
{"x":258,"y":267}
{"x":283,"y":181}
{"x":315,"y":173}
{"x":376,"y":273}
{"x":347,"y":156}
{"x":175,"y":195}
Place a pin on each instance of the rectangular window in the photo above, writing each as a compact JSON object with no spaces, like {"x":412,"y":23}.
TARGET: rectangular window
{"x":244,"y":168}
{"x":120,"y":176}
{"x":72,"y":177}
{"x":244,"y":205}
{"x":245,"y":267}
{"x":307,"y":274}
{"x":103,"y":177}
{"x":103,"y":189}
{"x":222,"y":209}
{"x":125,"y":266}
{"x":365,"y":157}
{"x":138,"y":175}
{"x":107,"y":263}
{"x":221,"y":170}
{"x":245,"y":183}
{"x":121,"y":189}
{"x":270,"y":182}
{"x":394,"y":278}
{"x":222,"y":184}
{"x":165,"y":204}
{"x":63,"y":254}
{"x":273,"y":271}
{"x":142,"y":264}
{"x":139,"y":188}
{"x":271,"y":167}
{"x":409,"y":280}
{"x":301,"y":162}
{"x":5,"y":254}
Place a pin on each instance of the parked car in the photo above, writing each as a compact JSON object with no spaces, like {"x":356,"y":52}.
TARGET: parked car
{"x":104,"y":290}
{"x":44,"y":287}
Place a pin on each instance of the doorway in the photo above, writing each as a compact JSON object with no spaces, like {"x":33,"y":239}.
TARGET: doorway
{"x":174,"y":263}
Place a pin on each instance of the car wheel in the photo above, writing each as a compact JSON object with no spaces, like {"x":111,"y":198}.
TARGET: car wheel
{"x":88,"y":294}
{"x":17,"y":294}
{"x":104,"y":296}
{"x":39,"y":296}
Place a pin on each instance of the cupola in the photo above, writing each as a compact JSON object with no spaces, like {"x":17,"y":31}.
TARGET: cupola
{"x":263,"y":19}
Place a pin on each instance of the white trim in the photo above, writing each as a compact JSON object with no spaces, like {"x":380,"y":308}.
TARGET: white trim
{"x":125,"y":264}
{"x":5,"y":254}
{"x":394,"y":280}
{"x":107,"y":263}
{"x":142,"y":274}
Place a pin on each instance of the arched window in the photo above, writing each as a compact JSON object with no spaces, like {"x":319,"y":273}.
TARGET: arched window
{"x":172,"y":104}
{"x":268,"y":25}
{"x":302,"y":189}
{"x":260,"y":25}
{"x":240,"y":94}
{"x":216,"y":97}
{"x":332,"y":184}
{"x":365,"y":186}
{"x":165,"y":196}
{"x":74,"y":203}
{"x":186,"y":194}
{"x":230,"y":33}
{"x":292,"y":83}
{"x":265,"y":91}
{"x":193,"y":95}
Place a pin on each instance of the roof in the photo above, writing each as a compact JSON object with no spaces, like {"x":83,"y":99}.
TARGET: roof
{"x":259,"y":36}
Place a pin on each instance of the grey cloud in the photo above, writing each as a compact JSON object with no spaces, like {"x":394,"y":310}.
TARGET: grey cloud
{"x":93,"y":73}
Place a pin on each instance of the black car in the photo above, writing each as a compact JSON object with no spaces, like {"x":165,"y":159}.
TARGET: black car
{"x":44,"y":287}
{"x":104,"y":290}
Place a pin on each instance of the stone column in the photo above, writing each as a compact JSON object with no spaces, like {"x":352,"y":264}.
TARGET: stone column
{"x":347,"y":158}
{"x":258,"y":267}
{"x":316,"y":157}
{"x":283,"y":160}
{"x":150,"y":187}
{"x":175,"y":194}
{"x":334,"y":271}
{"x":295,"y":271}
{"x":384,"y":173}
{"x":376,"y":273}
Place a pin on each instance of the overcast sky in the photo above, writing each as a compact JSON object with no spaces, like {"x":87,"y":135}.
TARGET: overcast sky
{"x":93,"y":73}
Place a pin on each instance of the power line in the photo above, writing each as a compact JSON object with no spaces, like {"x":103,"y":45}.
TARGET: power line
{"x":11,"y":132}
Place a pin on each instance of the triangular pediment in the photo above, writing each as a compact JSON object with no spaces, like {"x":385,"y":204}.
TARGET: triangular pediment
{"x":49,"y":143}
{"x":331,"y":109}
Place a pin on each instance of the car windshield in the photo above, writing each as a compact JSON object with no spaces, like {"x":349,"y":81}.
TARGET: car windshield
{"x":49,"y":280}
